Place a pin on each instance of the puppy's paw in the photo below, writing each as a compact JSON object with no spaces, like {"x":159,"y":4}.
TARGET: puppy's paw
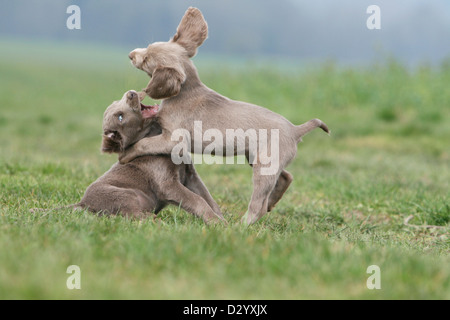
{"x":216,"y":220}
{"x":128,"y":156}
{"x":124,"y":158}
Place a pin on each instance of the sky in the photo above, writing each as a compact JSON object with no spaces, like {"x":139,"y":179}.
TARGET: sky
{"x":413,"y":31}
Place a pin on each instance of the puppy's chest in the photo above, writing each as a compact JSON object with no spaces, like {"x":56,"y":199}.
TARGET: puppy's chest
{"x":174,"y":116}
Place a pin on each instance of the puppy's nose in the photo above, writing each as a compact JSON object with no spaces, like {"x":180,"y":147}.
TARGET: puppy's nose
{"x":131,"y":95}
{"x":131,"y":55}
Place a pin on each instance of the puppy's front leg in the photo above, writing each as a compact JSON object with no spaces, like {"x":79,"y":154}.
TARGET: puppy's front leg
{"x":196,"y":185}
{"x":181,"y":196}
{"x":156,"y":145}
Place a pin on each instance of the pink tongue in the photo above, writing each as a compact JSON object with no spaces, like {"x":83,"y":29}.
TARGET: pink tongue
{"x":149,"y":112}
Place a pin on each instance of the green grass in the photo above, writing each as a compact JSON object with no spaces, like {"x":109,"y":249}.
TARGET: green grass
{"x":387,"y":158}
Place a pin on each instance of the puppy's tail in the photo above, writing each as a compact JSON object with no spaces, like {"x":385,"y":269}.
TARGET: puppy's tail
{"x":305,"y":128}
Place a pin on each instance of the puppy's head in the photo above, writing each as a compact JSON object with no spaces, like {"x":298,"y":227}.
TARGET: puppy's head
{"x":125,"y":122}
{"x":164,"y":61}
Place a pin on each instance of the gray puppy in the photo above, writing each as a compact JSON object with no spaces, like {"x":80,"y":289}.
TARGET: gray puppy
{"x":146,"y":184}
{"x":187,"y":101}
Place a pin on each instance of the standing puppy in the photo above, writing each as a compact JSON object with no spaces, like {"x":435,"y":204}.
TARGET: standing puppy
{"x":185,"y":99}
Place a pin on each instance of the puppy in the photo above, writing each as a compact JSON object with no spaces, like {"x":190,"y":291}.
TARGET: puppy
{"x":146,"y":184}
{"x":185,"y":100}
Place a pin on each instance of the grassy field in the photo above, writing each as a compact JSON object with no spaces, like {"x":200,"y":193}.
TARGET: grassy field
{"x":386,"y":160}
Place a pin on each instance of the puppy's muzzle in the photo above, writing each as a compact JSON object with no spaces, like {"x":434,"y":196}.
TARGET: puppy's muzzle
{"x":131,"y":95}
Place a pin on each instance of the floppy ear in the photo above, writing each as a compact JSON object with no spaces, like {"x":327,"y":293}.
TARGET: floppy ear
{"x":110,"y":144}
{"x":192,"y":31}
{"x":165,"y":83}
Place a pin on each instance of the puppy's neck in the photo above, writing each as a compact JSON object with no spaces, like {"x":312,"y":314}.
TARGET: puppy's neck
{"x":192,"y":78}
{"x":191,"y":89}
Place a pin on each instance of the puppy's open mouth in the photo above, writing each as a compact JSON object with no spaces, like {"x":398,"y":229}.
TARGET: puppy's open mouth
{"x":149,"y":111}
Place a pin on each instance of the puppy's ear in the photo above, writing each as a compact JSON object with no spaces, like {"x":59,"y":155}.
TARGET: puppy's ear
{"x":110,"y":144}
{"x":192,"y":31}
{"x":165,"y":83}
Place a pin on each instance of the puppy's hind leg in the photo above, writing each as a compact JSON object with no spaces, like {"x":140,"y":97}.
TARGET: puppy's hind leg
{"x":283,"y":183}
{"x":108,"y":199}
{"x":263,"y":185}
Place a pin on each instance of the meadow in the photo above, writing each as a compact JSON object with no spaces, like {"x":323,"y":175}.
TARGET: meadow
{"x":375,"y":192}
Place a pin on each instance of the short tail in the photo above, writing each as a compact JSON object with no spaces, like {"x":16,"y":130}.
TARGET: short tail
{"x":305,"y":128}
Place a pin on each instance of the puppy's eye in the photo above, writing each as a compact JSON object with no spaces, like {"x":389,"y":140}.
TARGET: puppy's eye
{"x":120,"y":117}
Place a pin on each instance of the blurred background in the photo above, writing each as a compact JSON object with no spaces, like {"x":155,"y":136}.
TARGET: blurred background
{"x":413,"y":31}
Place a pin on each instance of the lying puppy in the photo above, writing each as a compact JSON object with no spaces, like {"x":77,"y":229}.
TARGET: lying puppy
{"x":185,"y":99}
{"x":147,"y":184}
